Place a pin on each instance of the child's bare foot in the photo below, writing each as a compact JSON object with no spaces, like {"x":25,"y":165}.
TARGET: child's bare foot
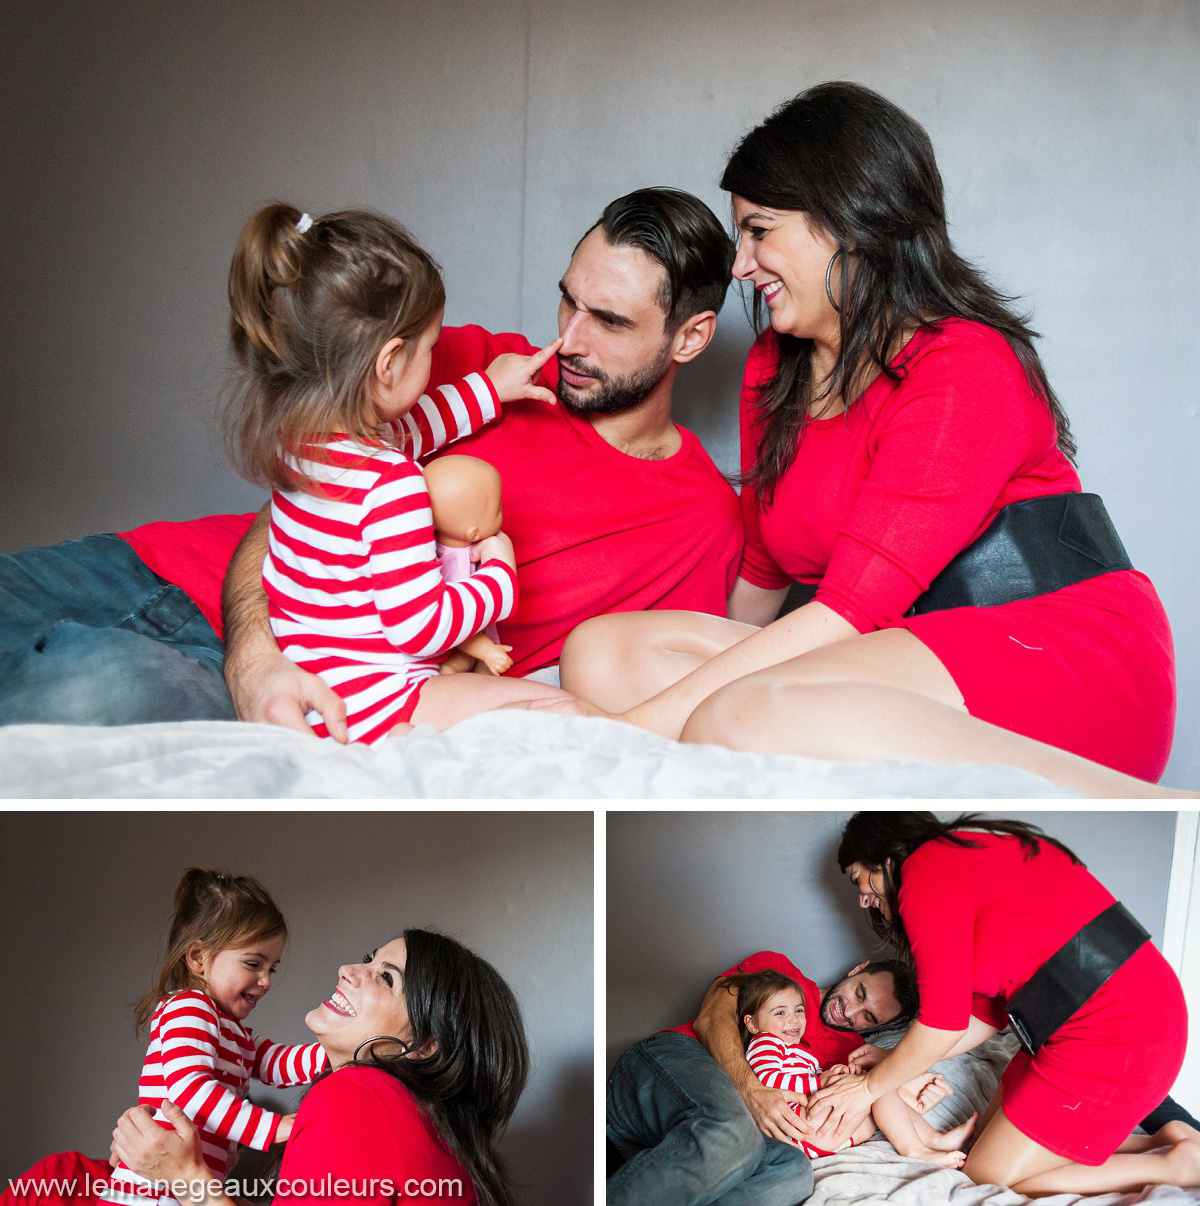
{"x":955,"y":1140}
{"x":918,"y":1151}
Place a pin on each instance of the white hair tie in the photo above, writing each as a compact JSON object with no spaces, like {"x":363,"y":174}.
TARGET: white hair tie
{"x":305,"y":223}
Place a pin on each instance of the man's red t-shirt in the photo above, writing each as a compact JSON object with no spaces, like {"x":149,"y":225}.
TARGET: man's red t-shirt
{"x":828,"y":1045}
{"x":594,"y":530}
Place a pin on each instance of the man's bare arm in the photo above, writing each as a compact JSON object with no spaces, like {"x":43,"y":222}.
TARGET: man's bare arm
{"x":266,"y":687}
{"x":716,"y":1027}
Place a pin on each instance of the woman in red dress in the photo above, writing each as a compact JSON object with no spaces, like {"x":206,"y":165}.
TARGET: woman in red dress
{"x":893,"y":409}
{"x":979,"y":906}
{"x":428,"y":1057}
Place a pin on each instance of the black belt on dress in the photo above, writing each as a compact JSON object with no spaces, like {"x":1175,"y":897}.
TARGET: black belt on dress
{"x":1072,"y":974}
{"x":1031,"y":548}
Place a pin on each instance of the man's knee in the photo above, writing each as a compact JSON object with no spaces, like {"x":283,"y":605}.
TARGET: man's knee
{"x":75,"y":674}
{"x":684,"y":1132}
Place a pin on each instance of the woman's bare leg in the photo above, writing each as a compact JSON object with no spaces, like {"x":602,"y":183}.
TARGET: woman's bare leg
{"x":790,"y":709}
{"x":1004,"y":1155}
{"x":446,"y":699}
{"x":621,"y":660}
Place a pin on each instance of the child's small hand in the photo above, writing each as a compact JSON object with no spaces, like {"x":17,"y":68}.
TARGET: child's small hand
{"x":497,"y":548}
{"x":285,"y":1128}
{"x":515,"y":376}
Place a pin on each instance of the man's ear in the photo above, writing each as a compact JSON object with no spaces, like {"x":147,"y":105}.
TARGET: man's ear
{"x":855,"y":970}
{"x":389,"y":361}
{"x":694,"y":335}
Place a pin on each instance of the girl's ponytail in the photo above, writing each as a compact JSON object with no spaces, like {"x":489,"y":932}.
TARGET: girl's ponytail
{"x":216,"y":911}
{"x":311,"y":304}
{"x":269,"y":256}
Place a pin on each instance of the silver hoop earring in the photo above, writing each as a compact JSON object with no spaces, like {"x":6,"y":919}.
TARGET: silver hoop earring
{"x":379,"y":1038}
{"x":837,"y":255}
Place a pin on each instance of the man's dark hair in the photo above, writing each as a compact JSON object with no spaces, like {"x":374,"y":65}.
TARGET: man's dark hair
{"x":682,"y":234}
{"x":905,"y":987}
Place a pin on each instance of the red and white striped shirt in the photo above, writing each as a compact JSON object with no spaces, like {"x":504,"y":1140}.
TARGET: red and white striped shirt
{"x":203,"y":1061}
{"x":779,"y":1066}
{"x":794,"y":1069}
{"x":352,"y":578}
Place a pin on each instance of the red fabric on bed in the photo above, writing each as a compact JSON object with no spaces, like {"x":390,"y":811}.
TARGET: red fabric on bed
{"x":880,"y":499}
{"x":982,"y":921}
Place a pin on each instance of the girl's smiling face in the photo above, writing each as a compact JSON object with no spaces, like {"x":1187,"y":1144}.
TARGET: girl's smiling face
{"x":781,"y":1015}
{"x":368,"y":1002}
{"x":239,"y":977}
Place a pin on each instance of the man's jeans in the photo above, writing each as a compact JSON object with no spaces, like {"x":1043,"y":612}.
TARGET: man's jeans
{"x":687,"y":1137}
{"x":89,"y":634}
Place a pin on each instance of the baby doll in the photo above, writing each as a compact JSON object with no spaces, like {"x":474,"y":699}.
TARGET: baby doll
{"x":464,"y":494}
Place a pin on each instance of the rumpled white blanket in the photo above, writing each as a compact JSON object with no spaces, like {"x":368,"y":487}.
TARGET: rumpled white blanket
{"x":497,"y":755}
{"x":873,"y":1173}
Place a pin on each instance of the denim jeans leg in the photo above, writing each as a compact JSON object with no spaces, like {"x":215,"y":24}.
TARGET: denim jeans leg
{"x":687,"y":1136}
{"x":89,"y":634}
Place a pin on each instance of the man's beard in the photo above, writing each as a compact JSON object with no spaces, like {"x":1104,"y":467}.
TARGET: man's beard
{"x":825,"y":1017}
{"x":615,"y":394}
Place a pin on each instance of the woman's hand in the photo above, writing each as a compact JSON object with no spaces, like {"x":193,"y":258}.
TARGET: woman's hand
{"x":156,"y":1153}
{"x":841,"y":1106}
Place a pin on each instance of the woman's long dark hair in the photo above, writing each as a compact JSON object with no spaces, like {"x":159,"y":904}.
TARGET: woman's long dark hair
{"x":863,"y":170}
{"x":470,"y":1084}
{"x":871,"y":838}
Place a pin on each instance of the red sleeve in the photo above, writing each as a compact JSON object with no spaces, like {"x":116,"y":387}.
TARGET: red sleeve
{"x":351,"y":1143}
{"x":758,"y":566}
{"x":938,"y":905}
{"x":946,"y":443}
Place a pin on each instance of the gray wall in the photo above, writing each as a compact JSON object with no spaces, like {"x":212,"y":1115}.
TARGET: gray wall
{"x":86,"y":900}
{"x":138,"y":136}
{"x":690,"y":894}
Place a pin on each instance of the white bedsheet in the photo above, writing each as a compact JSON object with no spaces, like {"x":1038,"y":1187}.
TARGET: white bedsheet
{"x":873,"y":1173}
{"x":498,"y":755}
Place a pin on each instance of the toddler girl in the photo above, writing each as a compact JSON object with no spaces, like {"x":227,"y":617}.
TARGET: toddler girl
{"x":771,"y":1018}
{"x":226,"y":938}
{"x":333,"y":324}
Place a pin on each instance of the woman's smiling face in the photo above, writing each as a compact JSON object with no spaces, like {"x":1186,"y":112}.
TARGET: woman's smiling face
{"x":785,"y":257}
{"x":367,"y":1002}
{"x":871,"y":883}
